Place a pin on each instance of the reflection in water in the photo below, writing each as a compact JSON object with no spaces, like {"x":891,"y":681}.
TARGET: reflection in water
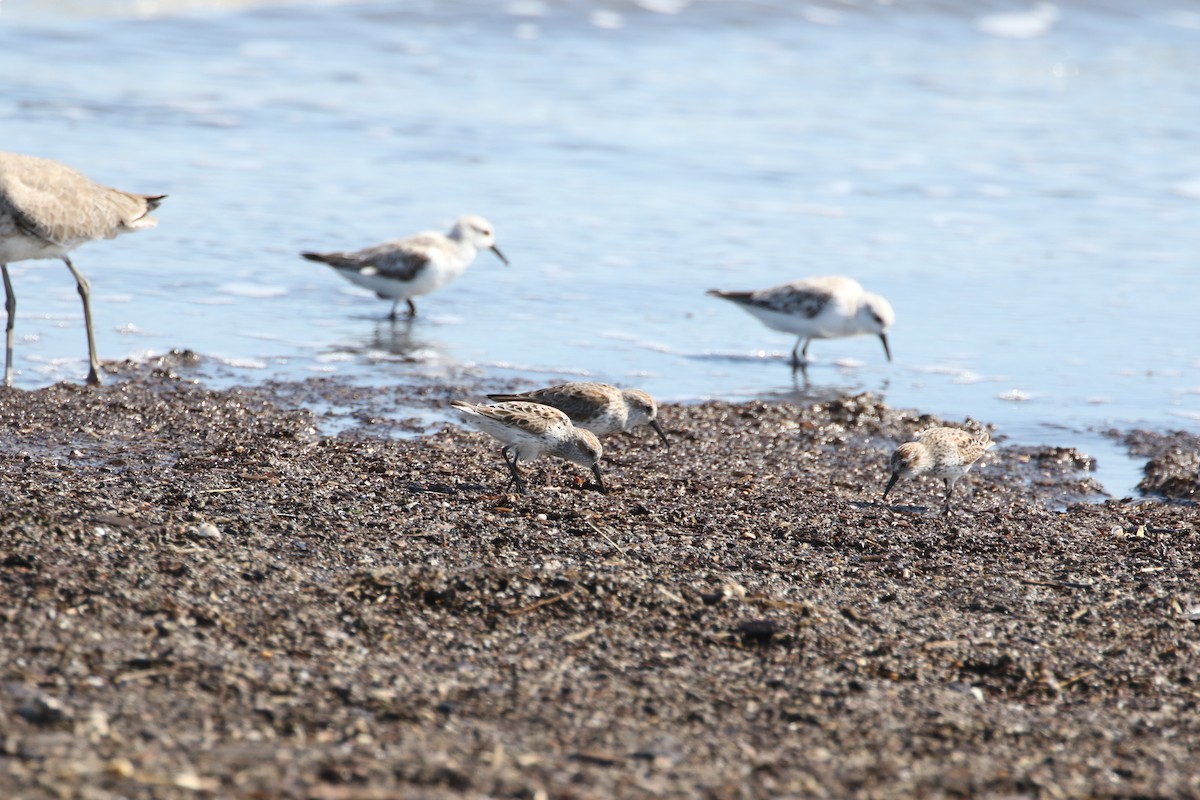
{"x":804,"y":392}
{"x":815,"y":381}
{"x":397,"y":341}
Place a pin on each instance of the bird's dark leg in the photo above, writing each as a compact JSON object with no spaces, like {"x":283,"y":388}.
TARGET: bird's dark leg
{"x":512,"y":468}
{"x":949,"y":489}
{"x":395,"y":305}
{"x":800,"y":362}
{"x":10,"y":305}
{"x":412,"y":308}
{"x":85,"y":293}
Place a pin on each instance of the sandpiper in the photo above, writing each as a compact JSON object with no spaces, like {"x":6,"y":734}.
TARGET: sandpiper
{"x":420,"y":264}
{"x":946,"y":453}
{"x":599,"y":407}
{"x":48,"y":209}
{"x":530,"y":429}
{"x":829,"y":307}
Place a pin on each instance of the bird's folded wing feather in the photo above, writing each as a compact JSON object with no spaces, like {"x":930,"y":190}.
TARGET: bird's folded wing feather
{"x":401,"y":260}
{"x":564,"y":397}
{"x":59,"y":205}
{"x":795,"y":300}
{"x":521,"y":414}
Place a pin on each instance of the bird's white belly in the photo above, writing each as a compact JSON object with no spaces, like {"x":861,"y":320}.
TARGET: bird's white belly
{"x":16,"y":246}
{"x":950,"y":472}
{"x":427,"y":280}
{"x":526,"y":446}
{"x":817,"y":327}
{"x":604,"y":423}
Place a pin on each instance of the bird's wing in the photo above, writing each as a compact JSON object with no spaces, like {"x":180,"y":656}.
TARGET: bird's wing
{"x":401,"y":260}
{"x":404,"y":259}
{"x":803,"y":298}
{"x":806,"y":298}
{"x":958,"y":437}
{"x":567,"y":398}
{"x":520,"y":414}
{"x":55,"y":203}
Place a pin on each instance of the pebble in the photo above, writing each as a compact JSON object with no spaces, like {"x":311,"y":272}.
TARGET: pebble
{"x":205,"y":530}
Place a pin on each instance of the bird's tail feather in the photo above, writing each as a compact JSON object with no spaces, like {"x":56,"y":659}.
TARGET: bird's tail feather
{"x":737,"y":297}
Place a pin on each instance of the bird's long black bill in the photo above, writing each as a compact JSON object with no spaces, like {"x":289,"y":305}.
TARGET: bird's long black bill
{"x":891,"y":483}
{"x":500,"y":255}
{"x":658,"y":429}
{"x":886,"y":350}
{"x":599,"y":477}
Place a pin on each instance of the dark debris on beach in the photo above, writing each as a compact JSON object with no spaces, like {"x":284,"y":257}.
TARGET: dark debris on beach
{"x":204,"y":595}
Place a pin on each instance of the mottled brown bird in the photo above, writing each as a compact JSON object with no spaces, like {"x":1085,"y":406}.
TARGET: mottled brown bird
{"x":528,"y":430}
{"x":946,"y":453}
{"x":599,"y":407}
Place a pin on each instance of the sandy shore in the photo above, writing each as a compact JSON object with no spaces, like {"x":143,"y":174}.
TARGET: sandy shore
{"x":203,"y":595}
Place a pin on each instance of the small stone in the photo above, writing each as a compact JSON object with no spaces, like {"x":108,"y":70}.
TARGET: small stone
{"x":205,"y":530}
{"x":43,"y":710}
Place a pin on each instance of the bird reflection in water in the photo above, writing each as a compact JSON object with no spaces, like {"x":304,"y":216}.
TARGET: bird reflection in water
{"x":399,"y":341}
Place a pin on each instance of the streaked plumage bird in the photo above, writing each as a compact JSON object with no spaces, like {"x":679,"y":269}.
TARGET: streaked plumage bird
{"x":47,"y":210}
{"x":946,"y":453}
{"x":530,"y":429}
{"x":599,"y":407}
{"x":420,"y":264}
{"x":829,"y":307}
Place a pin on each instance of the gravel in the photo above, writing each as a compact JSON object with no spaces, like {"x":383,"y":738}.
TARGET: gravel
{"x":213,"y":593}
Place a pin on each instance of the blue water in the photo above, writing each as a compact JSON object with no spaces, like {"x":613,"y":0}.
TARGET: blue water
{"x":1029,"y":201}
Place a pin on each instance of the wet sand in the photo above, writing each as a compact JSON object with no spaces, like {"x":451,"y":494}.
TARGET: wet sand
{"x":203,"y":595}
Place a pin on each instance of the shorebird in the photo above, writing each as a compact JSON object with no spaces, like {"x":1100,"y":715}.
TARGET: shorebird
{"x":47,"y":210}
{"x":828,"y":307}
{"x":528,"y":430}
{"x":420,"y":264}
{"x":946,"y":453}
{"x":598,"y":407}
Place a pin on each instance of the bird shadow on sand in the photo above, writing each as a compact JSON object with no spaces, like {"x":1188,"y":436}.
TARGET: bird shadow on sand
{"x":878,"y":505}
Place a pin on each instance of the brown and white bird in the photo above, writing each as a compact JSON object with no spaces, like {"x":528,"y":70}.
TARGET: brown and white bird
{"x":829,"y":307}
{"x":529,"y":430}
{"x":46,"y":211}
{"x":420,"y":264}
{"x":599,"y":407}
{"x":946,"y":453}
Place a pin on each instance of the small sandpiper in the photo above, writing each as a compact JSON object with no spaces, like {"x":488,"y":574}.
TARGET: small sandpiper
{"x":946,"y":453}
{"x":530,"y":429}
{"x":46,"y":211}
{"x":599,"y":407}
{"x":420,"y":264}
{"x":829,"y":307}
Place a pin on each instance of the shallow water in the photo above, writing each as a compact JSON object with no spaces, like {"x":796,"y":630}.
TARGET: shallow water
{"x":1025,"y":190}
